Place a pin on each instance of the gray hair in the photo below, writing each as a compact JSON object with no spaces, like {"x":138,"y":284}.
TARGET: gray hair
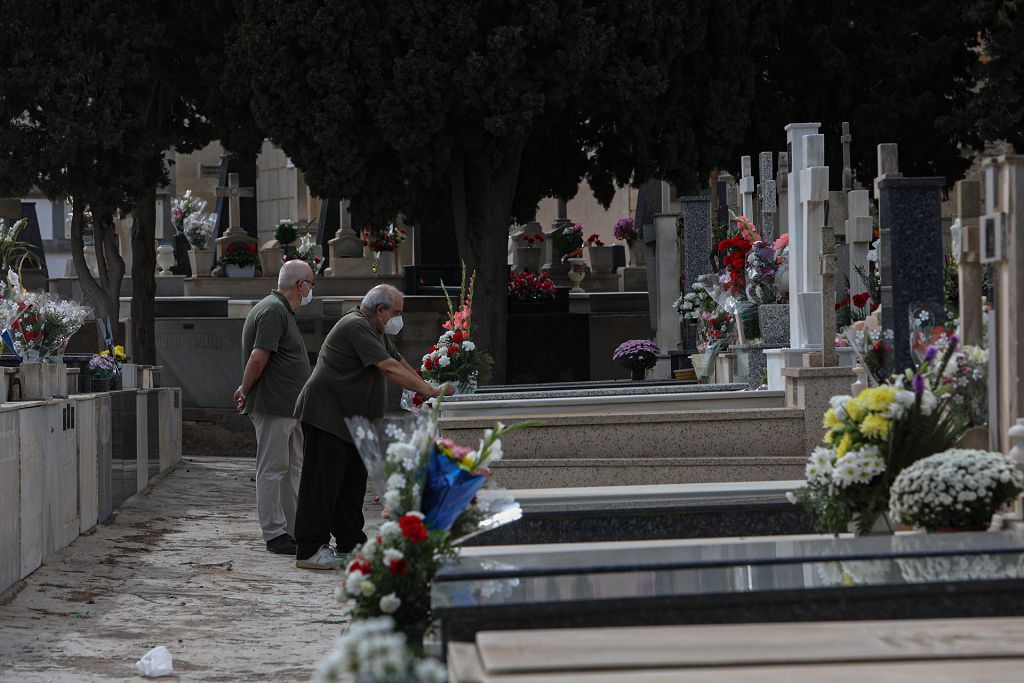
{"x":381,"y":295}
{"x":291,"y":272}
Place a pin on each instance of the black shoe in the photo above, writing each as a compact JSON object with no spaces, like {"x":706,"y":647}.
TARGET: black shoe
{"x":282,"y":545}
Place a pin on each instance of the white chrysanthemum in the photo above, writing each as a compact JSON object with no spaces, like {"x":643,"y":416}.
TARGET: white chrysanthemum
{"x":390,"y":603}
{"x":370,"y":547}
{"x":392,"y":554}
{"x":396,"y":481}
{"x":468,"y":346}
{"x":444,"y":361}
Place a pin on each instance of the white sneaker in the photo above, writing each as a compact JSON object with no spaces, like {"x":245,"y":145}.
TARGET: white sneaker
{"x":324,"y":558}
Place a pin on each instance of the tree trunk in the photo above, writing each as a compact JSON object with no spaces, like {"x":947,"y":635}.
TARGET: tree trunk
{"x":103,"y":295}
{"x":482,"y":202}
{"x":144,"y":279}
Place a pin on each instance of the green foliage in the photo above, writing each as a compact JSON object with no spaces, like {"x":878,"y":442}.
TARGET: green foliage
{"x":897,"y":71}
{"x":998,"y":107}
{"x":286,"y":231}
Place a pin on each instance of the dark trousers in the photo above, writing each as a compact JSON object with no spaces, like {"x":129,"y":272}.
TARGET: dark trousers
{"x":331,"y":492}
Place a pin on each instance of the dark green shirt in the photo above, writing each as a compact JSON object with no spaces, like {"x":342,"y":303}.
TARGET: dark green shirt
{"x":271,"y":325}
{"x":346,"y":381}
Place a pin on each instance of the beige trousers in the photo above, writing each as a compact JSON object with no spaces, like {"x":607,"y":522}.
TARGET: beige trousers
{"x":278,"y":469}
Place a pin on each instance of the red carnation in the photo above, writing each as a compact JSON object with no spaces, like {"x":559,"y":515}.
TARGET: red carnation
{"x":453,"y":349}
{"x":412,"y":528}
{"x":428,"y":364}
{"x":539,"y":237}
{"x":398,"y":567}
{"x":860,"y":300}
{"x":361,"y":566}
{"x":842,"y":303}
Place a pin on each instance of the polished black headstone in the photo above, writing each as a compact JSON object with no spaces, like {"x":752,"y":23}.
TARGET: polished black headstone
{"x":529,"y":362}
{"x":910,"y":218}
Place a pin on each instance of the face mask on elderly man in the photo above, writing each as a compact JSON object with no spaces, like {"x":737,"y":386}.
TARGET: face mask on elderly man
{"x":393,"y":326}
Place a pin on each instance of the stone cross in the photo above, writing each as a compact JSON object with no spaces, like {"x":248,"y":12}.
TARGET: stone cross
{"x":813,"y":206}
{"x":910,"y":219}
{"x":796,"y":135}
{"x":782,"y":186}
{"x":827,"y":263}
{"x":746,"y":189}
{"x":766,"y":197}
{"x":839,"y":211}
{"x":888,"y":163}
{"x":967,"y":251}
{"x":859,"y":231}
{"x":233,"y":192}
{"x":1002,"y":245}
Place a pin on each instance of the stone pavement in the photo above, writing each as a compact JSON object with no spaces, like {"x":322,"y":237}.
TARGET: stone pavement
{"x":182,"y":564}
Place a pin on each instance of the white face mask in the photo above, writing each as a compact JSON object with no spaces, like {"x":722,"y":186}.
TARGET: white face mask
{"x":309,"y":297}
{"x":393,"y":326}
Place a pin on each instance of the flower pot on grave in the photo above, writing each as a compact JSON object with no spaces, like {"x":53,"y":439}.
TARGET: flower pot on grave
{"x":636,"y":253}
{"x":384,"y":263}
{"x":57,"y":378}
{"x":34,"y":384}
{"x":98,"y":385}
{"x":528,"y":259}
{"x":130,"y":376}
{"x":773,"y":320}
{"x":638,"y":374}
{"x":164,"y":259}
{"x":704,"y":373}
{"x":577,"y":272}
{"x":600,"y":259}
{"x":233,"y":270}
{"x":201,"y":261}
{"x":270,"y":260}
{"x":469,"y":386}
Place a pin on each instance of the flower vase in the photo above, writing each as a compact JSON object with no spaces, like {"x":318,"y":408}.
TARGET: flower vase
{"x":600,"y":259}
{"x":201,"y":261}
{"x":99,"y":385}
{"x":638,"y":374}
{"x":164,"y":259}
{"x":636,"y":253}
{"x":576,"y":274}
{"x":467,"y":386}
{"x":383,"y":263}
{"x":233,"y":270}
{"x":528,"y":259}
{"x":271,"y":259}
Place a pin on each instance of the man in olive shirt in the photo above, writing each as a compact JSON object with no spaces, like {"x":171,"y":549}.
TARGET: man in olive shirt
{"x":349,"y":379}
{"x":276,"y":368}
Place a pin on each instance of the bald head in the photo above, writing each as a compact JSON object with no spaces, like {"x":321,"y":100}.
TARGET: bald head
{"x":292,"y":273}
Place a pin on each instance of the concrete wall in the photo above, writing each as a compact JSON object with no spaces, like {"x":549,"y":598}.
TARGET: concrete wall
{"x":55,"y":469}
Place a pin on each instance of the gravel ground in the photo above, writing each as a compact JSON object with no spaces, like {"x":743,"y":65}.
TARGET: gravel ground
{"x":183,"y":565}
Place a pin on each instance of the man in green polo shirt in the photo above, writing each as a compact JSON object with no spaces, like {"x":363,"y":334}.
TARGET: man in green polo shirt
{"x":350,"y":378}
{"x":276,"y":368}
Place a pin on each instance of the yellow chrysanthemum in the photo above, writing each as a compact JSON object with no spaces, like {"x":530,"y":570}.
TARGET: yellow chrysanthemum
{"x":878,"y":399}
{"x":828,"y":437}
{"x":830,"y":419}
{"x":875,"y":427}
{"x":855,"y":407}
{"x":844,"y":445}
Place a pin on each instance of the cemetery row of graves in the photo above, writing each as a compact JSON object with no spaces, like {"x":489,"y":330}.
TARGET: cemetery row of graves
{"x":900,"y":523}
{"x":823,"y":427}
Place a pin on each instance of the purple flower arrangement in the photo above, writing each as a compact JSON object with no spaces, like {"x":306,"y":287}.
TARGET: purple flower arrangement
{"x":103,"y":367}
{"x":761,"y":267}
{"x":625,"y":229}
{"x":637,"y":353}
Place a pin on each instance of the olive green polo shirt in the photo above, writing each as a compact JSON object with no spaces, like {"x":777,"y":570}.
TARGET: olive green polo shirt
{"x":271,"y":325}
{"x":346,"y":381}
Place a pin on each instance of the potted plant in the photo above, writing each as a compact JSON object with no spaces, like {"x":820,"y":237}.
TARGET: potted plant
{"x":600,"y":255}
{"x":625,"y":230}
{"x":306,"y":251}
{"x":102,"y":373}
{"x":639,"y":355}
{"x":529,"y":256}
{"x":956,"y":490}
{"x":198,"y":229}
{"x":533,"y":293}
{"x":239,"y":260}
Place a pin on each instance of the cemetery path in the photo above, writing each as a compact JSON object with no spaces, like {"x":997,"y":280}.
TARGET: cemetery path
{"x":182,"y":565}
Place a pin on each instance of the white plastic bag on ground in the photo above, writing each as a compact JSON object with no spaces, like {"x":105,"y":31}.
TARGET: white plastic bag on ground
{"x":156,"y":662}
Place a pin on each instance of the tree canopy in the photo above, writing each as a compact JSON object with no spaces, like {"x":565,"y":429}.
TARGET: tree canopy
{"x":897,"y":71}
{"x":487,"y":107}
